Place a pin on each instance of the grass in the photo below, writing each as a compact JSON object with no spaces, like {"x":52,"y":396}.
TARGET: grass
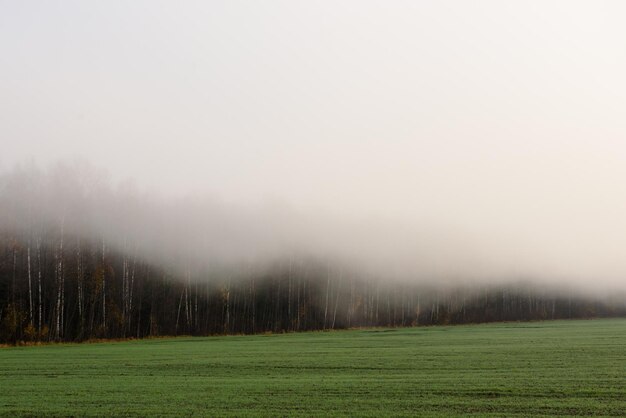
{"x":546,"y":368}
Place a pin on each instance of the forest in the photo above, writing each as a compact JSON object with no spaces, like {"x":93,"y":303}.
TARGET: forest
{"x":64,"y":288}
{"x":82,"y":260}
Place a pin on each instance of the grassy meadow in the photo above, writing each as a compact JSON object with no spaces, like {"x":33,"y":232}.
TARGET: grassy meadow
{"x":506,"y":369}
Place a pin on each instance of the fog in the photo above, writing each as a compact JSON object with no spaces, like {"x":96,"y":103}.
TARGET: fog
{"x":202,"y":231}
{"x":427,"y":141}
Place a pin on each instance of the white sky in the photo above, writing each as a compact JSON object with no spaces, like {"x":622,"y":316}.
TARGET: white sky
{"x":504,"y":119}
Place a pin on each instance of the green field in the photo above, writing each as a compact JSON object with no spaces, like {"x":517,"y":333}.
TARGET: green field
{"x":543,"y":368}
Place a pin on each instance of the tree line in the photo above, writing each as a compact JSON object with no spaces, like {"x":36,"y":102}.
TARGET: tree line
{"x":62,"y":287}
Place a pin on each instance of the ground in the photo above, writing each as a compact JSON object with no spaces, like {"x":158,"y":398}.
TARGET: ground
{"x":538,"y":368}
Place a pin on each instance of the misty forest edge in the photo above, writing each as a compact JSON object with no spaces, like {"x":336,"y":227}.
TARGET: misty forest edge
{"x":80,"y":260}
{"x":62,"y":288}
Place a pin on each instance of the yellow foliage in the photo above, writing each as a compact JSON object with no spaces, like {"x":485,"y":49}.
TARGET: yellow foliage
{"x":30,"y":333}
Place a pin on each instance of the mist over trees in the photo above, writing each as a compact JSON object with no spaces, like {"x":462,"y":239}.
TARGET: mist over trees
{"x":82,"y":259}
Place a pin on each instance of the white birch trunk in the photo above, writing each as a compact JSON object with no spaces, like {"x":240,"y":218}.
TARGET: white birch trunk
{"x":327,"y":291}
{"x":30,"y":287}
{"x":39,"y":302}
{"x":79,"y":279}
{"x":104,"y":294}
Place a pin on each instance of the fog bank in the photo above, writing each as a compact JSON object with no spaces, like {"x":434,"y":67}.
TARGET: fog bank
{"x":77,"y":199}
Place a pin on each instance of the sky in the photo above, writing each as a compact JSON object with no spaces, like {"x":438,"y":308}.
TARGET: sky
{"x":500,"y":122}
